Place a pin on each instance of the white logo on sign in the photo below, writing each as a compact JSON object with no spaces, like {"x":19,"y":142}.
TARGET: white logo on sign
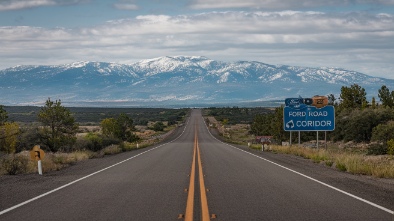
{"x":290,"y":124}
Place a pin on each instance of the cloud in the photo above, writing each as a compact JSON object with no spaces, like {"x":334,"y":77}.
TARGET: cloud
{"x":280,"y":5}
{"x":356,"y":41}
{"x":126,"y":5}
{"x":8,"y":5}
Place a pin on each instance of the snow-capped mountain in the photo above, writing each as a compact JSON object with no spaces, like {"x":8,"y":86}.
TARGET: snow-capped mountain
{"x":178,"y":80}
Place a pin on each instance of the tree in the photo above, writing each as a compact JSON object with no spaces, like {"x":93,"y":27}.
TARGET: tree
{"x":331,"y":99}
{"x":59,"y":127}
{"x":386,"y":97}
{"x":373,"y":103}
{"x":9,"y":137}
{"x":124,"y":127}
{"x":158,"y":126}
{"x":359,"y":125}
{"x":262,"y":125}
{"x":108,"y":127}
{"x":353,"y":97}
{"x":3,"y":115}
{"x":383,"y":132}
{"x":277,"y":124}
{"x":120,"y":128}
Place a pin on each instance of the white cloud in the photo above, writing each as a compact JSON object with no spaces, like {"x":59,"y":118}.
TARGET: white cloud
{"x":8,"y":5}
{"x":126,"y":5}
{"x":17,"y":5}
{"x":282,"y":4}
{"x":356,"y":41}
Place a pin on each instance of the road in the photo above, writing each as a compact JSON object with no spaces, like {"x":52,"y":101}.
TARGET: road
{"x":194,"y":176}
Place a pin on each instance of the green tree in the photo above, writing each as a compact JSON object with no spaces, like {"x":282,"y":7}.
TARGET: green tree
{"x":109,"y":127}
{"x":277,"y":125}
{"x":9,"y":137}
{"x":158,"y":126}
{"x":390,"y":147}
{"x":262,"y":125}
{"x":29,"y":136}
{"x":59,"y":126}
{"x":386,"y":97}
{"x":373,"y":103}
{"x":353,"y":97}
{"x":3,"y":115}
{"x":122,"y":128}
{"x":358,"y":125}
{"x":383,"y":132}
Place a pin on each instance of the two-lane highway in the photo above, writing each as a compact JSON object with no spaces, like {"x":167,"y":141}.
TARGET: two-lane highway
{"x":157,"y":185}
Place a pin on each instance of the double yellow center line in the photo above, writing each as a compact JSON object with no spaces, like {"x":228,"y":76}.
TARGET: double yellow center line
{"x":203,"y":193}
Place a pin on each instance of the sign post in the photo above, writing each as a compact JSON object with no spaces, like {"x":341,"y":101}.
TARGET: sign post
{"x":37,"y":154}
{"x":311,"y":114}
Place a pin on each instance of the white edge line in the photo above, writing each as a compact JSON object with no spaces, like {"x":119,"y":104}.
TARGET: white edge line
{"x":308,"y":177}
{"x":87,"y":176}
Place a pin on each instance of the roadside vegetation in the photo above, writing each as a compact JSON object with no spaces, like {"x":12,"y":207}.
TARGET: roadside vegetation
{"x":362,"y":142}
{"x":65,"y":140}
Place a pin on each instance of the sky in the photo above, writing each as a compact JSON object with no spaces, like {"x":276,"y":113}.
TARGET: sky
{"x":355,"y":35}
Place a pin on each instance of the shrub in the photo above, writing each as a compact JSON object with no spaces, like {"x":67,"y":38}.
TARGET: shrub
{"x":95,"y":142}
{"x":158,"y":126}
{"x":107,"y":141}
{"x":329,"y":163}
{"x":81,"y":144}
{"x":390,"y":147}
{"x":341,"y":166}
{"x":112,"y":149}
{"x":377,"y":149}
{"x":15,"y":164}
{"x":28,"y":138}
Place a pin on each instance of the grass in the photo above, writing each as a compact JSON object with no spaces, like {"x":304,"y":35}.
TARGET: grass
{"x":355,"y":163}
{"x":21,"y":163}
{"x":351,"y":160}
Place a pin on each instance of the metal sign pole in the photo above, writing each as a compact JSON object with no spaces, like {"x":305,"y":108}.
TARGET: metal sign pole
{"x":317,"y":139}
{"x":325,"y":138}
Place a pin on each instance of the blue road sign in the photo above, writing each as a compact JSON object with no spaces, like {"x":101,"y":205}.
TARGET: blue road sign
{"x":309,"y":118}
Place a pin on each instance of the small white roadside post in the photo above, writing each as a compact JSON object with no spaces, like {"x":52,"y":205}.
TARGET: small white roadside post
{"x":39,"y":167}
{"x":37,"y":154}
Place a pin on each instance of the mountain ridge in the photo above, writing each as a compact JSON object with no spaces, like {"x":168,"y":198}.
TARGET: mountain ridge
{"x":174,"y":80}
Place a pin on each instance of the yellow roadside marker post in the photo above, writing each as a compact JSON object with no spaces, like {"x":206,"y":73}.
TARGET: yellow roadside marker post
{"x":37,"y":154}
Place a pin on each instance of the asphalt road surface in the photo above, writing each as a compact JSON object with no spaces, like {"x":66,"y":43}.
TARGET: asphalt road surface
{"x":192,"y":174}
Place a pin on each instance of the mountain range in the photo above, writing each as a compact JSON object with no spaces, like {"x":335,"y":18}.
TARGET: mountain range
{"x":178,"y":81}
